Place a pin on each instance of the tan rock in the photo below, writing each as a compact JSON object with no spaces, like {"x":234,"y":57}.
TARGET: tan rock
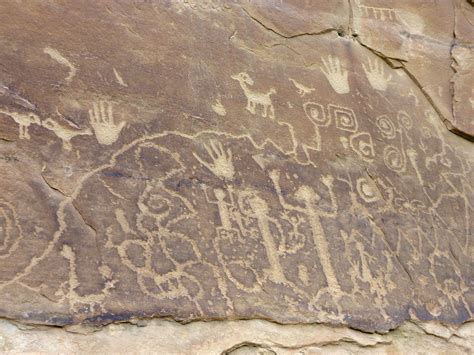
{"x":223,"y":160}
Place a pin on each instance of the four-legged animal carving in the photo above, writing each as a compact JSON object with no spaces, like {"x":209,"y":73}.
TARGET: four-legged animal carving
{"x":64,"y":133}
{"x":255,"y":98}
{"x":24,"y":120}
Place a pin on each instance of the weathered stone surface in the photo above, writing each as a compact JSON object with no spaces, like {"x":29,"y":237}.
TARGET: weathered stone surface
{"x":251,"y":337}
{"x":235,"y":160}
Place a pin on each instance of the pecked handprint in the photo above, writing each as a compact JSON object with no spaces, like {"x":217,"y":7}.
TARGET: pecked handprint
{"x":336,"y":75}
{"x":102,"y":121}
{"x":221,"y":165}
{"x":374,"y":71}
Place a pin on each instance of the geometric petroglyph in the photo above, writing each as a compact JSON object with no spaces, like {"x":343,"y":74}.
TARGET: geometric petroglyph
{"x":367,"y":191}
{"x":254,"y":98}
{"x":315,"y":112}
{"x":362,"y":144}
{"x":386,"y":127}
{"x":344,"y":117}
{"x":10,"y":230}
{"x":394,"y":159}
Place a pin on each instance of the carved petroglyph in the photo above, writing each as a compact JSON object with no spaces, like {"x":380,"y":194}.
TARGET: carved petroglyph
{"x":221,"y":165}
{"x":10,"y":229}
{"x":24,"y":120}
{"x":335,"y":74}
{"x":102,"y":121}
{"x":119,"y":78}
{"x":55,"y":55}
{"x":394,"y":159}
{"x":219,"y":108}
{"x":362,"y":144}
{"x":385,"y":14}
{"x":65,"y":133}
{"x":386,"y":127}
{"x":367,"y":190}
{"x":255,"y":99}
{"x":310,"y":199}
{"x":302,"y":89}
{"x":375,"y":73}
{"x":316,"y":113}
{"x":344,"y":117}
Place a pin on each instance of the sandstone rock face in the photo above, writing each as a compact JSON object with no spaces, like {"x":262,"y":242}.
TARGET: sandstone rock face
{"x":281,"y":159}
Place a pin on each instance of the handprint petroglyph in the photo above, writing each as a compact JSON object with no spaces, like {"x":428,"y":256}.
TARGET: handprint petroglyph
{"x":24,"y":120}
{"x":374,"y":71}
{"x":221,"y":165}
{"x":102,"y":121}
{"x":255,"y":98}
{"x":336,"y":74}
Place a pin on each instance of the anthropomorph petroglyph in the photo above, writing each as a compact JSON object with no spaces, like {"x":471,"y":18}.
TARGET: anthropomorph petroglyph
{"x":101,"y":118}
{"x":24,"y":120}
{"x":375,"y":73}
{"x":310,"y":200}
{"x":302,"y":89}
{"x":64,"y":133}
{"x":254,"y":98}
{"x":335,"y":73}
{"x":54,"y":54}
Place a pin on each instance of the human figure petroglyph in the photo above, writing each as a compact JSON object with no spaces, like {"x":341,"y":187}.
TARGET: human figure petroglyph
{"x":221,"y":165}
{"x":24,"y":120}
{"x":65,"y":133}
{"x":302,"y":89}
{"x":261,"y":212}
{"x":310,"y":199}
{"x":102,"y":120}
{"x":375,"y":73}
{"x":336,"y":74}
{"x":55,"y":55}
{"x":254,"y":98}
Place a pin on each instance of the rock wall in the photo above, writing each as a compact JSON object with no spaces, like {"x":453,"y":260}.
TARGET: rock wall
{"x":293,"y":161}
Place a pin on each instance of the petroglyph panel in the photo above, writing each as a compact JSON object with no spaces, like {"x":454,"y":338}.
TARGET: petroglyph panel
{"x":204,"y":160}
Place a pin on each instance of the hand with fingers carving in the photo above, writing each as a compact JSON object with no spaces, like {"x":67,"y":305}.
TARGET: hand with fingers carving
{"x":102,"y":121}
{"x":221,"y":165}
{"x":336,"y":74}
{"x":374,"y":71}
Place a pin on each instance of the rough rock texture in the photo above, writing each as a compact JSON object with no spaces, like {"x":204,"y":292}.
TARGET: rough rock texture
{"x":285,"y":160}
{"x":251,"y":337}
